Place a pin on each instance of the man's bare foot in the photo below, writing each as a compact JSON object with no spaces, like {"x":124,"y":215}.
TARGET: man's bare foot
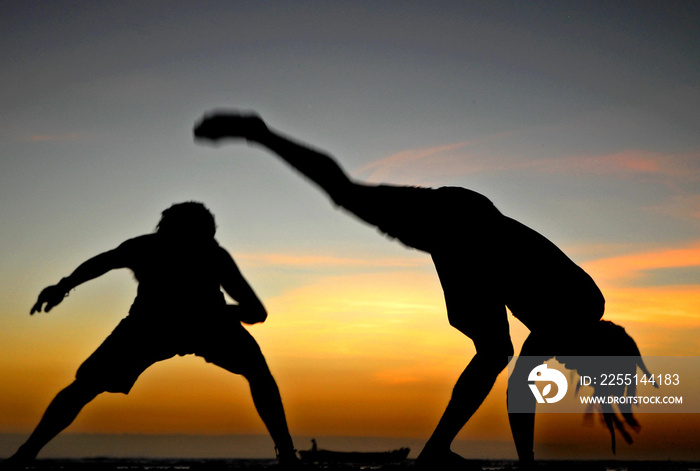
{"x":15,"y":463}
{"x":216,"y":126}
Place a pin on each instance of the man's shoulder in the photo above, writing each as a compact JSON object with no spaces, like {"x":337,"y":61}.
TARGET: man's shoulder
{"x":142,"y":242}
{"x":141,"y":239}
{"x":222,"y":253}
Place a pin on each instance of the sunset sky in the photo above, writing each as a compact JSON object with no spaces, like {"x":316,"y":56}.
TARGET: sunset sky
{"x":579,"y":119}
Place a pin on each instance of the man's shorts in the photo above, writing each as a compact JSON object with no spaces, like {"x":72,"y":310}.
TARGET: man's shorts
{"x":460,"y":229}
{"x":138,"y":342}
{"x":476,"y":304}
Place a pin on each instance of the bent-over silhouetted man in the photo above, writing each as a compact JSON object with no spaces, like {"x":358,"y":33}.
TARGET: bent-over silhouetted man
{"x":485,"y":261}
{"x":179,"y":309}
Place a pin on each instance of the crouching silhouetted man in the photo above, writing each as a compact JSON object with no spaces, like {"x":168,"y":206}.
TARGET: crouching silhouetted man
{"x":179,"y":309}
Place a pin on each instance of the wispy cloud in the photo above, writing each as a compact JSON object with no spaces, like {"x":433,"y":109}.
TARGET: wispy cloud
{"x":679,"y":206}
{"x":428,"y":163}
{"x":664,"y":310}
{"x":670,"y":308}
{"x":463,"y":159}
{"x":626,"y":268}
{"x":627,"y":163}
{"x":413,"y":157}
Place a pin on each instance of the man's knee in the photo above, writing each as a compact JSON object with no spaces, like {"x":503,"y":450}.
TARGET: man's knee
{"x":261,"y":380}
{"x":495,"y":354}
{"x":82,"y":390}
{"x":256,"y":371}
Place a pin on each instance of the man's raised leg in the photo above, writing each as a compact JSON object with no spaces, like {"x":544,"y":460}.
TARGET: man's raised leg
{"x":315,"y":165}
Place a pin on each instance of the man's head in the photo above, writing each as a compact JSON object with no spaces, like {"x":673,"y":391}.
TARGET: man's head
{"x":189,"y":220}
{"x":609,"y":349}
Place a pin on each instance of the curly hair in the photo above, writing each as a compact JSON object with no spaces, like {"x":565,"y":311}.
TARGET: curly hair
{"x":612,"y":349}
{"x":190,"y":219}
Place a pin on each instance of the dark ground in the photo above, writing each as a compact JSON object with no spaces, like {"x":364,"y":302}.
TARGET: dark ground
{"x":109,"y":464}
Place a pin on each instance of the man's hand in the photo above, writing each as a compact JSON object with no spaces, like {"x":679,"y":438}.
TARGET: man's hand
{"x":51,"y":296}
{"x":247,"y":316}
{"x":230,"y":124}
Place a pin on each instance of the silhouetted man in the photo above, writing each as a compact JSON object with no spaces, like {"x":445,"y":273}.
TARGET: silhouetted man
{"x":179,"y":309}
{"x":485,"y":261}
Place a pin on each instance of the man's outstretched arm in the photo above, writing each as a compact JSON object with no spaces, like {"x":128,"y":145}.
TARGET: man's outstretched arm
{"x":249,"y":308}
{"x":88,"y":270}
